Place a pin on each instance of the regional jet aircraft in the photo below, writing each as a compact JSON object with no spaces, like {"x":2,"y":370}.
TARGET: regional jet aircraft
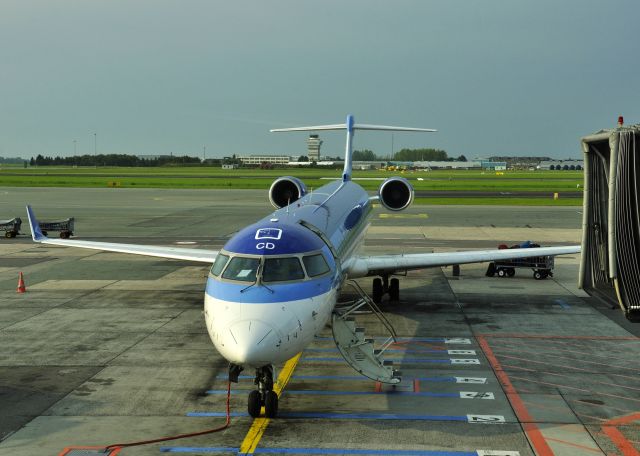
{"x":275,"y":284}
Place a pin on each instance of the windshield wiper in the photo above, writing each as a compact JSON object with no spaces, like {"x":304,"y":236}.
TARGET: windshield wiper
{"x":258,"y":280}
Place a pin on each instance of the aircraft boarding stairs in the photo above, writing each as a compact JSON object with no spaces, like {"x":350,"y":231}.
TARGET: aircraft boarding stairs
{"x":358,"y":351}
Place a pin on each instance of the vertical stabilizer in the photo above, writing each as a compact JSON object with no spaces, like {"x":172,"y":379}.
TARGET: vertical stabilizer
{"x":348,"y":152}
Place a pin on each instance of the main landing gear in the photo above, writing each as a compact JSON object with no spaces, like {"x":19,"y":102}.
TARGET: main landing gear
{"x":264,"y":395}
{"x":382,"y":285}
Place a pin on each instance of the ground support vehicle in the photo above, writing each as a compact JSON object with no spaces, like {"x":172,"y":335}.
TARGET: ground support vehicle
{"x":64,"y":226}
{"x":542,"y":266}
{"x":11,"y":227}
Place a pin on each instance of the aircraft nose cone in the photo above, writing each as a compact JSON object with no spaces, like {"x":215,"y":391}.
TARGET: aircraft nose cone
{"x":252,"y":342}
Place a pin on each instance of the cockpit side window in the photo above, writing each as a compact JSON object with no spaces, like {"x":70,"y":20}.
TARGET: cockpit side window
{"x":243,"y":269}
{"x":282,"y":269}
{"x":315,"y":265}
{"x":219,"y":264}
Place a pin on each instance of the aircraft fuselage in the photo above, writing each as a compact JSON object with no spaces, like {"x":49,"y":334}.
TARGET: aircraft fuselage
{"x":276,"y":282}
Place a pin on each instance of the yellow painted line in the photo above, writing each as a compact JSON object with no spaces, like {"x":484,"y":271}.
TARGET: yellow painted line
{"x":251,"y":440}
{"x":403,"y":216}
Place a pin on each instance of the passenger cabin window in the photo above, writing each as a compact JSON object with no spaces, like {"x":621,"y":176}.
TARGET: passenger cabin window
{"x":241,"y":268}
{"x":282,"y":269}
{"x":219,"y":264}
{"x":315,"y":265}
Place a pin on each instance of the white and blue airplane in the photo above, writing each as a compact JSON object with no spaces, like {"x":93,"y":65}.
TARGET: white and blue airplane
{"x":274,"y":285}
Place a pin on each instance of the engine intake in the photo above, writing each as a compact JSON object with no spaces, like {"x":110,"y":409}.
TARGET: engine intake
{"x":285,"y":190}
{"x":395,"y":194}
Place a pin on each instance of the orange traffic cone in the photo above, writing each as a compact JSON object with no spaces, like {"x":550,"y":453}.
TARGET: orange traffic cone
{"x":21,"y":287}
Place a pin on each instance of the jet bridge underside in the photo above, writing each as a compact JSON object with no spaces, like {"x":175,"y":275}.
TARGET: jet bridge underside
{"x":610,"y":267}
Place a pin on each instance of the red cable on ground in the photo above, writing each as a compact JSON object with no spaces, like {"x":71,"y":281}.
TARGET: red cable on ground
{"x":180,"y":436}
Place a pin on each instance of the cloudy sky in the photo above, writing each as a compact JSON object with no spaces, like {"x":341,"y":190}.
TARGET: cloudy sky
{"x":495,"y":77}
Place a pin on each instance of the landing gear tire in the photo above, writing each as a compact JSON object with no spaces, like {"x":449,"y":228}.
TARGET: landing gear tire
{"x":377,"y":290}
{"x":264,"y":395}
{"x":254,"y":403}
{"x":502,"y":273}
{"x":511,"y":272}
{"x":537,"y":275}
{"x":271,"y":404}
{"x":394,"y":290}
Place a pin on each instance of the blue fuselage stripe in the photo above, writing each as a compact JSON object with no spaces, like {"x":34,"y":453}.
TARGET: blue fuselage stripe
{"x":259,"y":294}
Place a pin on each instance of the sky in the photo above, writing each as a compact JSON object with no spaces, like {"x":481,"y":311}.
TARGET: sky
{"x":194,"y":77}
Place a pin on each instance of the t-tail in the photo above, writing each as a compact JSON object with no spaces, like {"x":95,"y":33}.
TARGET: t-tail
{"x":351,"y":127}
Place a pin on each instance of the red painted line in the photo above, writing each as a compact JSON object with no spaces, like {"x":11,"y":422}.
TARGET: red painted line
{"x":620,"y":441}
{"x":531,"y":429}
{"x":625,"y":419}
{"x":550,"y":336}
{"x":575,"y":445}
{"x":416,"y":385}
{"x":546,"y":348}
{"x":564,"y":366}
{"x":111,"y":452}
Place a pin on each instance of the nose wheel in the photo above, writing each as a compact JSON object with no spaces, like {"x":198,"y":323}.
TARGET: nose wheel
{"x":264,"y":395}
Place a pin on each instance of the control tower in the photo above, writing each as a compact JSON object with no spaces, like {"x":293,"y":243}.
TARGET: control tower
{"x":313,"y":148}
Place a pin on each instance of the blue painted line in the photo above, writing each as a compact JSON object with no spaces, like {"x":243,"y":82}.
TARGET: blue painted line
{"x":362,"y":452}
{"x":404,"y":339}
{"x":562,"y":303}
{"x":359,"y":451}
{"x":199,"y":450}
{"x":335,"y":350}
{"x":404,"y":360}
{"x":346,"y":393}
{"x":340,"y":416}
{"x":343,"y":377}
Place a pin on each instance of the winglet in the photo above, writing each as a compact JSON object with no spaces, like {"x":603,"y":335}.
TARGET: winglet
{"x":36,"y":233}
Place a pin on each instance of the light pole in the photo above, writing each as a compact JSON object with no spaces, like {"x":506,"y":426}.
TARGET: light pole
{"x":204,"y":153}
{"x":75,"y":148}
{"x":95,"y":149}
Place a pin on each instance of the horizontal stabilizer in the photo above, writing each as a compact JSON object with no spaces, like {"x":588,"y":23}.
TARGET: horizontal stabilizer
{"x":355,"y":127}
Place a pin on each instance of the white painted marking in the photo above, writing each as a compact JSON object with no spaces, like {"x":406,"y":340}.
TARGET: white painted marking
{"x":485,"y":418}
{"x":457,"y":340}
{"x":497,"y":453}
{"x":186,"y":242}
{"x":461,"y":352}
{"x":464,"y":361}
{"x":475,"y":380}
{"x":475,"y":395}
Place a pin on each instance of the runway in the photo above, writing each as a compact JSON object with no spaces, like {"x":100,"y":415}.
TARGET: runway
{"x":106,"y":348}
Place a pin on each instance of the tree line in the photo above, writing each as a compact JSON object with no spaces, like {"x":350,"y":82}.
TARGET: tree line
{"x":407,"y":155}
{"x":114,"y":160}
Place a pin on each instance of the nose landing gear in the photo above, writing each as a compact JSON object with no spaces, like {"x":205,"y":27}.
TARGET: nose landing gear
{"x":264,"y":395}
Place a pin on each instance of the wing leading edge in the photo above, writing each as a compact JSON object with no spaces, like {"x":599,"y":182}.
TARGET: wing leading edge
{"x":363,"y":266}
{"x":176,"y":253}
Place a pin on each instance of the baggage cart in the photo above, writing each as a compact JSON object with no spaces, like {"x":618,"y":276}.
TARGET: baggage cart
{"x":11,"y":227}
{"x":64,"y":226}
{"x":542,"y":266}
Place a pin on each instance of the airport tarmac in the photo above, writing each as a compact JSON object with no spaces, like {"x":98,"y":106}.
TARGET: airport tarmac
{"x":106,"y":348}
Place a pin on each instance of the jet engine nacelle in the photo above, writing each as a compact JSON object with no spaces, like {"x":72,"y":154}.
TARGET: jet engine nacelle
{"x":285,"y":190}
{"x":395,"y":193}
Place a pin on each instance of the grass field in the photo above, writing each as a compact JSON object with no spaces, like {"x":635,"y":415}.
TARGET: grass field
{"x":548,"y":182}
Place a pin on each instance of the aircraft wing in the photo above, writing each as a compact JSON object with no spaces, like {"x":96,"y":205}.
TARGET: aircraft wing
{"x":177,"y":253}
{"x":363,"y":266}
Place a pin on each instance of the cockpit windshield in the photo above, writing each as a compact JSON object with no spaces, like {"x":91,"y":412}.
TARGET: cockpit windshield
{"x":282,"y":269}
{"x":269,"y":269}
{"x":243,"y":269}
